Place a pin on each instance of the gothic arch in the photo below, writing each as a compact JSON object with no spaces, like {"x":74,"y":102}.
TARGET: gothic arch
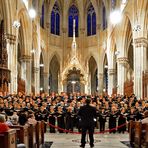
{"x":144,"y":20}
{"x":93,"y":74}
{"x":92,"y":55}
{"x":54,"y":71}
{"x":94,"y":3}
{"x":6,"y":11}
{"x":105,"y":73}
{"x":25,"y":23}
{"x":41,"y":72}
{"x":57,"y":56}
{"x":121,"y":35}
{"x":60,"y":9}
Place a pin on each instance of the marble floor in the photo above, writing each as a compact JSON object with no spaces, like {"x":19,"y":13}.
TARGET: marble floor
{"x":73,"y":140}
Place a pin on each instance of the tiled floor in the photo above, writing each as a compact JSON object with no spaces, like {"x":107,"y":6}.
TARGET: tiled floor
{"x":73,"y":140}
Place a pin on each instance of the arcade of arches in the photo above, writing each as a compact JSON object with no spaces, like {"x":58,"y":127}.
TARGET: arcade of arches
{"x":36,"y":56}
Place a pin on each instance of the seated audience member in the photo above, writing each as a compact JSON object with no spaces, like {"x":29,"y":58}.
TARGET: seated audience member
{"x":14,"y":118}
{"x":31,"y":119}
{"x":145,"y":120}
{"x":3,"y":126}
{"x":23,"y":118}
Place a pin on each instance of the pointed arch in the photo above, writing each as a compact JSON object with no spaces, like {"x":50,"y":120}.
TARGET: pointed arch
{"x":91,"y":20}
{"x":73,"y":13}
{"x":54,"y":71}
{"x":55,"y":19}
{"x":93,"y":74}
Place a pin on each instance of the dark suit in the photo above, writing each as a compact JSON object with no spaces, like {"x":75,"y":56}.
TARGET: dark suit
{"x":87,"y":115}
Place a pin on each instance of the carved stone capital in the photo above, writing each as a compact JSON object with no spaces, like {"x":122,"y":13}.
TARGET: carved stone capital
{"x":100,"y":76}
{"x":139,"y":42}
{"x":111,"y":71}
{"x":26,"y":58}
{"x":123,"y":61}
{"x":11,"y":38}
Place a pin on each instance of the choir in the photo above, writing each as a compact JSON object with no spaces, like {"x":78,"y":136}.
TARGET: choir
{"x":62,"y":110}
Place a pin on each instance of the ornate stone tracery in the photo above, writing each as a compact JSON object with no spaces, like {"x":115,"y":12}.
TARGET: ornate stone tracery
{"x":4,"y":72}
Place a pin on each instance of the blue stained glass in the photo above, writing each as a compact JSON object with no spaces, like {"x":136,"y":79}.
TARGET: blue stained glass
{"x":93,"y":23}
{"x":57,"y":24}
{"x":70,"y":26}
{"x":88,"y":24}
{"x":42,"y":17}
{"x":73,"y":14}
{"x":52,"y":22}
{"x":55,"y":20}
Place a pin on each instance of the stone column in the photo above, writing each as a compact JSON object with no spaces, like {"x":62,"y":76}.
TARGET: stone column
{"x":46,"y":82}
{"x":111,"y":75}
{"x":121,"y":72}
{"x":140,"y":65}
{"x":100,"y":83}
{"x":12,"y":61}
{"x":36,"y":72}
{"x":26,"y":72}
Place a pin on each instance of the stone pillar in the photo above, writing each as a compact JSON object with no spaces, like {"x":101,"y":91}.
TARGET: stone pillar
{"x":46,"y":82}
{"x":100,"y":83}
{"x":111,"y":75}
{"x":12,"y":62}
{"x":121,"y":72}
{"x":36,"y":72}
{"x":26,"y":72}
{"x":140,"y":65}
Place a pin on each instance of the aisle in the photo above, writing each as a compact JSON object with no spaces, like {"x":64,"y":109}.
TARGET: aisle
{"x":73,"y":141}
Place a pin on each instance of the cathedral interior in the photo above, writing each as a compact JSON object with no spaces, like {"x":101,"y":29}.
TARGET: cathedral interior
{"x":83,"y":46}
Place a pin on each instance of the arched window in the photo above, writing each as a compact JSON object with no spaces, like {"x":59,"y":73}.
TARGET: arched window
{"x":55,"y":20}
{"x":42,"y":17}
{"x":91,"y":21}
{"x":104,"y":20}
{"x":73,"y":14}
{"x":113,"y":4}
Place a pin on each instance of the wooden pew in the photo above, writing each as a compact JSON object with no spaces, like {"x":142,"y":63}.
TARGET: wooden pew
{"x":21,"y":134}
{"x":138,"y":134}
{"x":8,"y":139}
{"x":144,"y":139}
{"x":32,"y":136}
{"x":40,"y":133}
{"x":131,"y":132}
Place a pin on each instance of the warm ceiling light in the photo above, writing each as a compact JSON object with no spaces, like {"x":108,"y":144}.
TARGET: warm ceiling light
{"x":32,"y":13}
{"x":115,"y":17}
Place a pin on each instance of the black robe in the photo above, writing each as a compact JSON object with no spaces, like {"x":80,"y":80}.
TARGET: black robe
{"x":122,"y":120}
{"x":61,"y":121}
{"x":112,"y":121}
{"x":52,"y":121}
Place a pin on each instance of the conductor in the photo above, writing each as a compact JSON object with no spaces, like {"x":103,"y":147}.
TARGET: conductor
{"x":87,"y":116}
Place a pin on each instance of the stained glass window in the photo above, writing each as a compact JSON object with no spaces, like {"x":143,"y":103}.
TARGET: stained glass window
{"x":91,"y":21}
{"x":55,"y":20}
{"x":73,"y":14}
{"x":42,"y":17}
{"x":104,"y":20}
{"x":113,"y":4}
